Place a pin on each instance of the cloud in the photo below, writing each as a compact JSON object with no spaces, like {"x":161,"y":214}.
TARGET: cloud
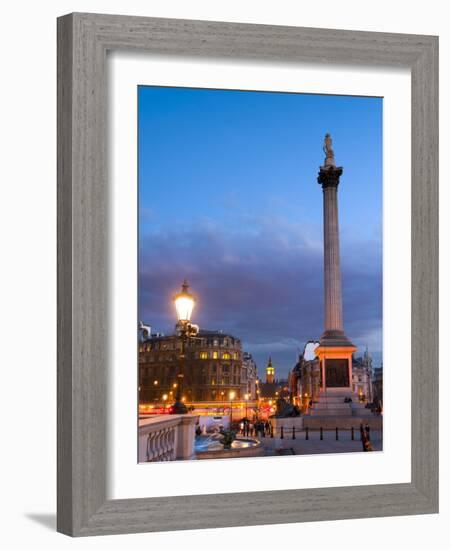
{"x":261,"y":280}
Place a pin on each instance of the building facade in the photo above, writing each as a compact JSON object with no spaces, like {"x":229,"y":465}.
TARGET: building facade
{"x":249,"y":375}
{"x":213,"y":366}
{"x":377,"y":386}
{"x":305,"y":377}
{"x":362,"y":374}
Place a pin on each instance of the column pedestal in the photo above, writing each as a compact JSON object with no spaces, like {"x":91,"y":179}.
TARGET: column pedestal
{"x":336,"y":368}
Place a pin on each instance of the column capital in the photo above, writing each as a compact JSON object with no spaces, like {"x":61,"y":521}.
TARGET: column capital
{"x":329,"y":176}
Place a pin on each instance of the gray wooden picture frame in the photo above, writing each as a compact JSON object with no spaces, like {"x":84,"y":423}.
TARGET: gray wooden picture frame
{"x":83,"y":41}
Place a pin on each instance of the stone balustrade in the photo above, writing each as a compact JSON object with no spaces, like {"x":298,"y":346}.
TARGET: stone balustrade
{"x":167,"y":437}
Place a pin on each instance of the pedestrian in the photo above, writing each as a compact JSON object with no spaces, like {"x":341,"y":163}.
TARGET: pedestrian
{"x":365,"y":439}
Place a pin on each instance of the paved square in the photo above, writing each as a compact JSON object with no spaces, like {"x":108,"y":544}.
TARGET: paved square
{"x":314,"y":445}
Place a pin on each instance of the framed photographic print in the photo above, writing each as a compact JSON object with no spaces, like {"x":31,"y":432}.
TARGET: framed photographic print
{"x":247,"y":276}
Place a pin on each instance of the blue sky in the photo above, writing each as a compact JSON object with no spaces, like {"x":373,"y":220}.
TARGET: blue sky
{"x":229,"y":199}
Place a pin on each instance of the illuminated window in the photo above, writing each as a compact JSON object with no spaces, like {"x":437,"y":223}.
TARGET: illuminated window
{"x":226,"y":355}
{"x":235,"y":355}
{"x":203,"y":355}
{"x":215,"y":355}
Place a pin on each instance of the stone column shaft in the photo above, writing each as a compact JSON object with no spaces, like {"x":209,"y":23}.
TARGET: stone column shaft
{"x":332,"y":269}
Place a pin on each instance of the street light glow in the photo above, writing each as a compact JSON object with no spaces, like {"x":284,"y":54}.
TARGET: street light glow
{"x":232,"y":395}
{"x":184,"y":304}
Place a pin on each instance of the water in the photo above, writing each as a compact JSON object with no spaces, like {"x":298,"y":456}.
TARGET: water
{"x":212,"y":443}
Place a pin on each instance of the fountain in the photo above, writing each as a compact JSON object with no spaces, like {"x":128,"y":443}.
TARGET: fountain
{"x":211,"y":446}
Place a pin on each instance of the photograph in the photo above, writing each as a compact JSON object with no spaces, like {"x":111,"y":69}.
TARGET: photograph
{"x":260,"y":273}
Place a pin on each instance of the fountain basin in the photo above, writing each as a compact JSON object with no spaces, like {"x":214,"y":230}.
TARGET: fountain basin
{"x":212,"y":448}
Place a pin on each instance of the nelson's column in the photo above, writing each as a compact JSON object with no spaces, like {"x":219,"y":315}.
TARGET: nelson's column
{"x":335,"y":349}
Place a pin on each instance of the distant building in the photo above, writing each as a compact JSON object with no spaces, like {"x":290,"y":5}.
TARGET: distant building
{"x":362,"y":373}
{"x":272,"y":389}
{"x":249,"y":375}
{"x":270,"y":372}
{"x":214,"y":365}
{"x":305,"y":377}
{"x":377,"y":386}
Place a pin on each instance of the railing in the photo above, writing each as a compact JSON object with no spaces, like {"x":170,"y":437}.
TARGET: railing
{"x":362,"y":434}
{"x":161,"y":445}
{"x":167,"y":437}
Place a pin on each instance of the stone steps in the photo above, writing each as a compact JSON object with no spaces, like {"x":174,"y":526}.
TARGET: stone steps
{"x":331,"y":412}
{"x":332,"y":404}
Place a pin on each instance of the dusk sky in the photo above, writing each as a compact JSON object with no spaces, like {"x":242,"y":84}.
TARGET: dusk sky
{"x":229,"y":199}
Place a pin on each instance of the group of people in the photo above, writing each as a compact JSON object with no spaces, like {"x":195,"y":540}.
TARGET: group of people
{"x":258,"y":428}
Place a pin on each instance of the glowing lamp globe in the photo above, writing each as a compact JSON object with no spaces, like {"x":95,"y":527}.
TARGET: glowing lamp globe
{"x":184,"y":304}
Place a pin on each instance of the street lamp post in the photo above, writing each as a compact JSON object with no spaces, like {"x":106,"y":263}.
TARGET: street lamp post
{"x":246,"y":396}
{"x":232,"y":396}
{"x":184,"y":304}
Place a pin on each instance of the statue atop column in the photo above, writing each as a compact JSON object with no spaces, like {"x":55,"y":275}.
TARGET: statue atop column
{"x":329,"y":173}
{"x":328,"y":150}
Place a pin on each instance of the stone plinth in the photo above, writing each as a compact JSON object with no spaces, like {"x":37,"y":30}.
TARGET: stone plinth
{"x":331,"y":411}
{"x":336,"y":366}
